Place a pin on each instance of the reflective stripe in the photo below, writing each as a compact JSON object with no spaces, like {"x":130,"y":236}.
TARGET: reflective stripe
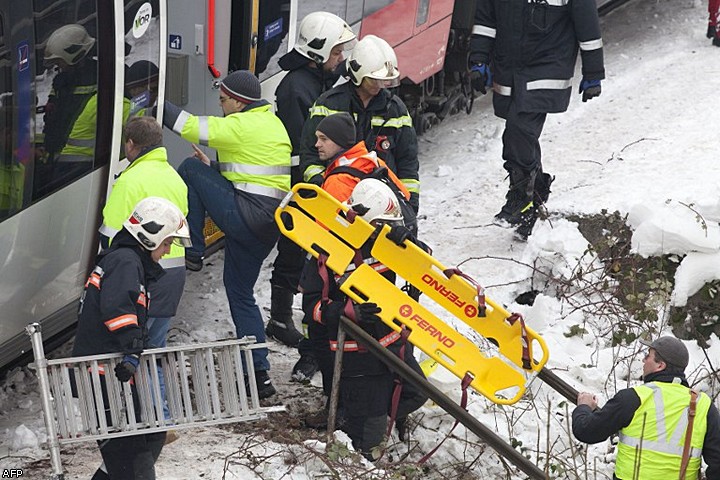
{"x":352,"y":346}
{"x":396,"y":122}
{"x":411,"y":184}
{"x":64,"y":158}
{"x":660,"y":447}
{"x":260,"y":190}
{"x":295,"y":160}
{"x":85,"y":90}
{"x":244,"y":168}
{"x":142,"y":300}
{"x":591,"y":44}
{"x":203,"y":131}
{"x":502,"y":89}
{"x":484,"y":31}
{"x":180,"y":122}
{"x":311,"y":171}
{"x":121,"y":321}
{"x":317,"y":313}
{"x":107,"y":231}
{"x":552,"y":3}
{"x":323,"y":111}
{"x":76,"y":142}
{"x":549,"y":84}
{"x":94,"y":280}
{"x":172,"y":262}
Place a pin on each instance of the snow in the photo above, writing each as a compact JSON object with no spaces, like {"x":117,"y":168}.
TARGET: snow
{"x":646,"y":148}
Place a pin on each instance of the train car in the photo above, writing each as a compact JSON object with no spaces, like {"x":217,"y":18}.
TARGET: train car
{"x":72,"y":71}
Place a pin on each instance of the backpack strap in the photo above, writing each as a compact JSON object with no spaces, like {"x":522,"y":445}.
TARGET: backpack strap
{"x":688,"y":434}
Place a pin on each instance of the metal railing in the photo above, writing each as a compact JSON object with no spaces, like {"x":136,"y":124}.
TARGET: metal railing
{"x":204,"y":385}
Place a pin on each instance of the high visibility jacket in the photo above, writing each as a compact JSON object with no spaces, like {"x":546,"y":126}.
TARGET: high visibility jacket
{"x":114,"y":306}
{"x":150,"y":175}
{"x":12,"y":182}
{"x":80,"y":144}
{"x":341,"y":185}
{"x":253,"y":147}
{"x":655,"y":437}
{"x":385,"y":125}
{"x":532,"y":48}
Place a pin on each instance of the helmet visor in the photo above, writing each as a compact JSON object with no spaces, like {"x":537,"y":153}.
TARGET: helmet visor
{"x":182,"y":236}
{"x":384,"y":83}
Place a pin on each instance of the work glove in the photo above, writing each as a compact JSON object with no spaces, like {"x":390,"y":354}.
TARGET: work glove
{"x":127,"y":367}
{"x":589,"y":89}
{"x":398,"y":234}
{"x":366,"y":314}
{"x":480,"y":77}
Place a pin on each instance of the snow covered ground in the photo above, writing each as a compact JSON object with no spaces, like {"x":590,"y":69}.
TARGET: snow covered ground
{"x":648,"y":147}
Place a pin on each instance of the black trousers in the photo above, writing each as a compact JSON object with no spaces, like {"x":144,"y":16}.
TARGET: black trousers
{"x":131,"y":458}
{"x":288,"y":265}
{"x":521,"y":140}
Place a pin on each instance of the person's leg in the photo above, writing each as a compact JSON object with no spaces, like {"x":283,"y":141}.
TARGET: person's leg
{"x":118,"y":455}
{"x":364,"y":402}
{"x":285,"y":277}
{"x":157,"y":338}
{"x":208,"y":191}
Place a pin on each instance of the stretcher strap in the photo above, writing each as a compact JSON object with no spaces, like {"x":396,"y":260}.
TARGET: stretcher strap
{"x":482,"y":306}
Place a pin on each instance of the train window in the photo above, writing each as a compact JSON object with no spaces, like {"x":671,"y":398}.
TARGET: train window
{"x":142,"y":45}
{"x":66,"y":93}
{"x":422,"y":12}
{"x":273,"y":27}
{"x":11,"y":171}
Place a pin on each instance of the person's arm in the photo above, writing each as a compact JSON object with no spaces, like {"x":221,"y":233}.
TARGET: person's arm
{"x":293,"y":108}
{"x":711,"y":444}
{"x":119,"y":300}
{"x":311,"y":167}
{"x":406,"y":155}
{"x":587,"y":28}
{"x":595,"y":426}
{"x":484,"y":30}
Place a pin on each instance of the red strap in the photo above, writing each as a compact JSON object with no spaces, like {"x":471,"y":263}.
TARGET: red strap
{"x":526,"y":360}
{"x":482,"y":306}
{"x":464,"y":384}
{"x":397,"y":389}
{"x":323,"y":272}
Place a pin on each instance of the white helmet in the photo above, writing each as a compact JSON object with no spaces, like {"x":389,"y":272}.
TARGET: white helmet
{"x":320,"y":32}
{"x":373,"y":200}
{"x":154,"y":219}
{"x":69,"y":43}
{"x":372,"y":57}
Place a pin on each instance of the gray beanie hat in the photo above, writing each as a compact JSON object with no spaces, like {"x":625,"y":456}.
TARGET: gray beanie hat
{"x":340,"y":128}
{"x":672,"y":350}
{"x":242,"y":85}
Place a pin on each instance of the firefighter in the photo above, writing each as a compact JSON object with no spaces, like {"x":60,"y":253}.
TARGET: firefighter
{"x":113,"y":318}
{"x":381,"y":119}
{"x":312,"y":67}
{"x":240,"y":192}
{"x":656,"y":439}
{"x":149,"y":174}
{"x":366,"y":383}
{"x":526,"y":51}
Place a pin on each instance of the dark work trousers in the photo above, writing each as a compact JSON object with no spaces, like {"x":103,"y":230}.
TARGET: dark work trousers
{"x":364,"y":404}
{"x":411,"y":398}
{"x":521,"y":140}
{"x":290,"y":258}
{"x":317,"y":345}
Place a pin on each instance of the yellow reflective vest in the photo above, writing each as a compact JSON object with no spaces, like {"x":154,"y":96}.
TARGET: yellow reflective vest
{"x":253,"y":148}
{"x":80,"y":145}
{"x":150,"y":175}
{"x":651,"y":445}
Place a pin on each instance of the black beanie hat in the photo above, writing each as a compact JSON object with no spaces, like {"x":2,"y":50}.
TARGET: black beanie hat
{"x":242,"y":85}
{"x":340,"y":128}
{"x":140,"y":73}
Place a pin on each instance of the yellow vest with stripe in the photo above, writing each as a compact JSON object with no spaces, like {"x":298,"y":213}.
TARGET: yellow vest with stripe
{"x":80,"y":145}
{"x":253,"y":148}
{"x":148,"y":176}
{"x":656,"y":435}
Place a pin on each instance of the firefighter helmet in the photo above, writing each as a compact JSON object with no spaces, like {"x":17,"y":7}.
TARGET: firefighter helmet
{"x":320,"y":32}
{"x":69,"y":43}
{"x":154,"y":219}
{"x":374,"y":58}
{"x":375,"y":201}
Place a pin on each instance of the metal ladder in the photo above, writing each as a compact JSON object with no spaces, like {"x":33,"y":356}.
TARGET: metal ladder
{"x":204,"y":385}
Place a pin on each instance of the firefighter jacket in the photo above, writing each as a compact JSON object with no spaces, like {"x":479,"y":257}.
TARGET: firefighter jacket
{"x":385,"y":126}
{"x":356,"y":360}
{"x":340,"y":185}
{"x":150,"y":175}
{"x":253,"y":146}
{"x":531,"y":47}
{"x":71,"y":92}
{"x":297,"y":92}
{"x":113,"y":308}
{"x":656,"y":415}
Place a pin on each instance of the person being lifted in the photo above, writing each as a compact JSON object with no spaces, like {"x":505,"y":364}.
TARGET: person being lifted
{"x":664,"y":426}
{"x":312,"y":68}
{"x":240,"y":192}
{"x":381,"y":118}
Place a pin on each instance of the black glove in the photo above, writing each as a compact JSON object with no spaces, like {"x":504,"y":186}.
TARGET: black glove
{"x":480,"y":77}
{"x":398,"y":234}
{"x":589,"y":89}
{"x":127,"y":367}
{"x":366,"y":314}
{"x":317,"y":180}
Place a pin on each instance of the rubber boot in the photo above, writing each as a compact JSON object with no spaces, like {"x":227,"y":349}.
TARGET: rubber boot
{"x":519,"y":198}
{"x":281,"y":326}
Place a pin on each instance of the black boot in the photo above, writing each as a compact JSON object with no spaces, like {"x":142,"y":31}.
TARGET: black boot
{"x":540,"y":195}
{"x":264,"y":385}
{"x":305,"y":368}
{"x":519,"y":197}
{"x":281,"y":326}
{"x":711,"y":31}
